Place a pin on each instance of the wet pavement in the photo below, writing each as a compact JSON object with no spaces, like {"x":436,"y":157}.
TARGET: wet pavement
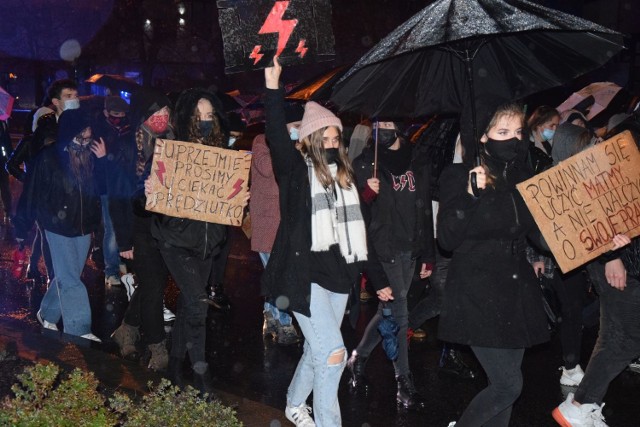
{"x":252,"y":374}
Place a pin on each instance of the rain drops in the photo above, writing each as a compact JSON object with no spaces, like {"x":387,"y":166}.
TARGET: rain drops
{"x":282,"y":302}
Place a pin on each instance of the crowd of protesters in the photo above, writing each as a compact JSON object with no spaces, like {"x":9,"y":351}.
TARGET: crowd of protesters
{"x":324,"y":215}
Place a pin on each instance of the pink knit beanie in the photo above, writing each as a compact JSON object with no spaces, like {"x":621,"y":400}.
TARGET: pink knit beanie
{"x":317,"y":117}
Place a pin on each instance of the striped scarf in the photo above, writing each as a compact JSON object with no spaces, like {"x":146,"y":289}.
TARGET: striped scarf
{"x":336,"y":218}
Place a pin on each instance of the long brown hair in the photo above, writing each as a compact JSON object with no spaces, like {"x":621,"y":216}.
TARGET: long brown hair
{"x":81,"y":163}
{"x":313,"y":146}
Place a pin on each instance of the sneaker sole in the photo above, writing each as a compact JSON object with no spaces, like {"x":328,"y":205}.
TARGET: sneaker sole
{"x":559,"y":418}
{"x":568,"y":382}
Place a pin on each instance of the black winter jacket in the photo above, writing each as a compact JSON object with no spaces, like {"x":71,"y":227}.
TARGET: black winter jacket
{"x":380,"y":215}
{"x":288,"y":271}
{"x":57,"y":200}
{"x":492,"y":296}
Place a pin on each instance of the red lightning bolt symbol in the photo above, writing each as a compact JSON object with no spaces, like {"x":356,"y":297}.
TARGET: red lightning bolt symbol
{"x":302,"y":49}
{"x":275,"y":24}
{"x":160,"y":171}
{"x":255,"y":54}
{"x":236,"y":188}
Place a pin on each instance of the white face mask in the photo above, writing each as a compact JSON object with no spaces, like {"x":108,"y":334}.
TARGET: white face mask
{"x":71,"y":104}
{"x":232,"y":140}
{"x":293,"y":134}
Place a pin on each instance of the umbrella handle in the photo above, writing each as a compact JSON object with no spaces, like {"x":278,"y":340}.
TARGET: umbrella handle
{"x":375,"y":154}
{"x":474,"y":184}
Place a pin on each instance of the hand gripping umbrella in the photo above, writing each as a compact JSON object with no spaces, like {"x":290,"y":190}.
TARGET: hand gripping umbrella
{"x":453,"y":52}
{"x":388,"y":329}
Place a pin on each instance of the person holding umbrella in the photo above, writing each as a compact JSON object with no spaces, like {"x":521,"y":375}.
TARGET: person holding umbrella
{"x":493,"y":302}
{"x":397,"y":202}
{"x":319,"y":248}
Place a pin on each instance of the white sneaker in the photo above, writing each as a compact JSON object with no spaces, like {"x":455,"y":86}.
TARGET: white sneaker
{"x":300,"y":415}
{"x":452,"y":424}
{"x":45,"y":324}
{"x":91,"y":337}
{"x":571,"y":377}
{"x":168,"y":314}
{"x":129,"y":284}
{"x":634,"y":366}
{"x":112,"y":280}
{"x":586,"y":415}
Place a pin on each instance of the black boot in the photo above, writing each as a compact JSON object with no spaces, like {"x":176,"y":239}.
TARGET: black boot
{"x":174,"y":371}
{"x":202,"y":381}
{"x":451,"y":363}
{"x":407,"y":395}
{"x":356,"y":365}
{"x":218,"y":298}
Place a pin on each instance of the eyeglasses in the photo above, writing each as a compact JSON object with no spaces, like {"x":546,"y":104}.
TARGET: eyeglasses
{"x":83,"y":141}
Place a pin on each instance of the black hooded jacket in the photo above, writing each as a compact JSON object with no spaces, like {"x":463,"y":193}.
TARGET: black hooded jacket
{"x":62,"y":203}
{"x":199,"y":238}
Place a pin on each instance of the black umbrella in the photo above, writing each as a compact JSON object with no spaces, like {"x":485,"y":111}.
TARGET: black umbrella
{"x":318,"y":88}
{"x":456,"y":50}
{"x":388,"y":328}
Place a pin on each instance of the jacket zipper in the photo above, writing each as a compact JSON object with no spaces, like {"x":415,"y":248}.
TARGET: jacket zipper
{"x":515,"y":209}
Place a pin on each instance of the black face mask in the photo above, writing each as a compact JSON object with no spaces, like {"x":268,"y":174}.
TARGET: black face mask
{"x":505,"y":150}
{"x":387,"y":137}
{"x":331,"y":155}
{"x":206,"y":126}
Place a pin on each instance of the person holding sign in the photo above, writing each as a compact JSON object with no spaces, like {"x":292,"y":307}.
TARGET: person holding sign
{"x":319,"y":248}
{"x":492,"y":301}
{"x":188,"y":246}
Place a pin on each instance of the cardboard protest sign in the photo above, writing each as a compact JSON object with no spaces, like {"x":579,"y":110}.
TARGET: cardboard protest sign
{"x":582,"y":203}
{"x":253,"y":31}
{"x":196,"y":181}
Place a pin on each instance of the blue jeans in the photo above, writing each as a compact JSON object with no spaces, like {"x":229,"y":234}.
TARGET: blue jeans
{"x":282,"y":316}
{"x":322,"y":340}
{"x":67,"y":296}
{"x":109,"y":244}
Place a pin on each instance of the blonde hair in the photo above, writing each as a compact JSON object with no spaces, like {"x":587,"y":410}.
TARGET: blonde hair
{"x":313,"y":147}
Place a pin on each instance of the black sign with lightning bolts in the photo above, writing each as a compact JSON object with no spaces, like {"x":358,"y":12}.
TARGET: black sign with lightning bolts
{"x":253,"y":31}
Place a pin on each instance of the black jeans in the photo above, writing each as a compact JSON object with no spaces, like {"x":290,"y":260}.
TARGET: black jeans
{"x":145,"y":307}
{"x":492,"y":406}
{"x":619,"y":338}
{"x":571,"y":289}
{"x":219,"y":264}
{"x":430,"y":307}
{"x":399,"y":274}
{"x":191,"y":274}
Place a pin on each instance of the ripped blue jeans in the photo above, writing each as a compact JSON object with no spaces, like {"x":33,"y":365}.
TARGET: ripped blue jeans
{"x":323,"y":339}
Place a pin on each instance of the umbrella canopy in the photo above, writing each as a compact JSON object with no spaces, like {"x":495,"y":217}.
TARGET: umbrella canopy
{"x":456,"y":50}
{"x":114,"y":82}
{"x":319,"y":88}
{"x":6,"y":104}
{"x":598,"y":95}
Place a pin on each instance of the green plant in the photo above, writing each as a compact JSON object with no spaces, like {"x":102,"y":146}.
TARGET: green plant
{"x":168,"y":405}
{"x":41,"y":399}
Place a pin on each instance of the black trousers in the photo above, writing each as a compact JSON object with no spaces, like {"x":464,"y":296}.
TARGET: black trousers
{"x":571,"y":289}
{"x":145,"y":307}
{"x":492,"y":406}
{"x":430,"y":307}
{"x":619,"y":338}
{"x":191,"y":274}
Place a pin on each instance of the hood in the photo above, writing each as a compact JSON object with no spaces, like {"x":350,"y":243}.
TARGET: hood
{"x":186,"y":104}
{"x":566,"y":141}
{"x":145,"y":102}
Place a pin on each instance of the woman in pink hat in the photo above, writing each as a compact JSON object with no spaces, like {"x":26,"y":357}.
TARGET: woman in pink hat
{"x":319,"y":248}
